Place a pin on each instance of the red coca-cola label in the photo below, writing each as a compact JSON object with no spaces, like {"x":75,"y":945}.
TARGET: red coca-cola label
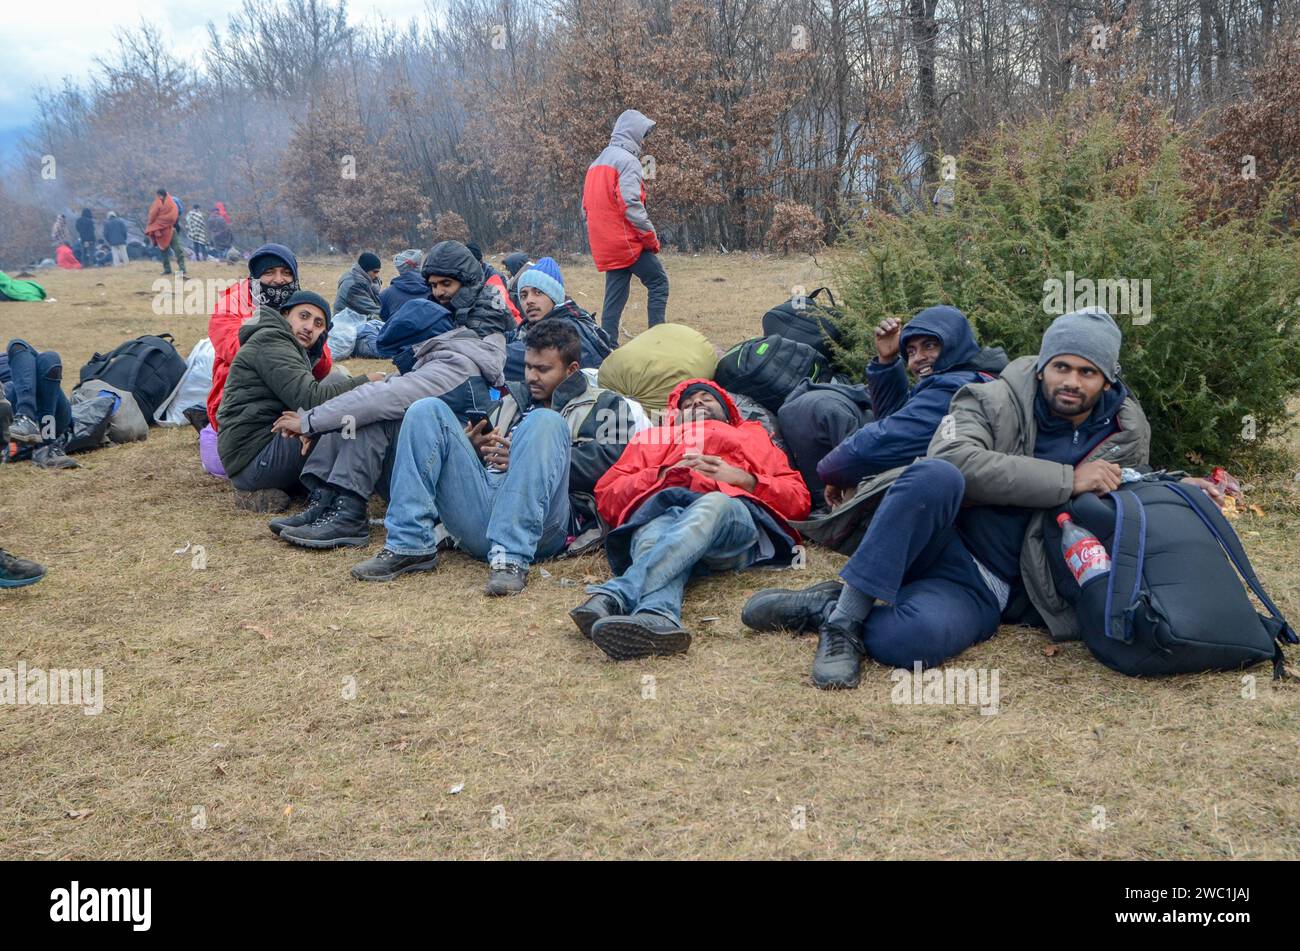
{"x":1086,"y":555}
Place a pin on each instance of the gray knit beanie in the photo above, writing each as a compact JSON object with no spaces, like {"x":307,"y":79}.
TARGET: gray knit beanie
{"x":1090,"y":333}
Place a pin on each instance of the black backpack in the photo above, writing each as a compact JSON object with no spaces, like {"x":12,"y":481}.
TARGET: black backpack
{"x":766,"y":369}
{"x":805,"y":320}
{"x":1172,"y":602}
{"x":149,"y":367}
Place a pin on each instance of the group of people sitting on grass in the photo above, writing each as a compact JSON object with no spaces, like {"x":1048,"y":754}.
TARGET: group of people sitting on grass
{"x":961,"y":454}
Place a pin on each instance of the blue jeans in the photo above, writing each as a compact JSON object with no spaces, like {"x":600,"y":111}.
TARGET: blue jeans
{"x":520,"y":515}
{"x":35,"y":388}
{"x":935,"y":601}
{"x":650,"y":271}
{"x":714,"y":533}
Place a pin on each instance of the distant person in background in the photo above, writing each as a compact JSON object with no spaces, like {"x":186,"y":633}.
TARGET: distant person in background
{"x":115,"y":235}
{"x":161,"y":230}
{"x":219,"y":235}
{"x":623,"y":241}
{"x":86,"y":234}
{"x":358,"y":289}
{"x":408,"y":285}
{"x":196,"y":225}
{"x":60,"y":234}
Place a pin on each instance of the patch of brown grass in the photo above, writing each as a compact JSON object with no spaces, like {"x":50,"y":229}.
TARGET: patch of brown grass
{"x":226,"y":689}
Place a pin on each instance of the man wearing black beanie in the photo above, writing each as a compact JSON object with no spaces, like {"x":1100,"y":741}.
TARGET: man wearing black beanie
{"x":359,"y":287}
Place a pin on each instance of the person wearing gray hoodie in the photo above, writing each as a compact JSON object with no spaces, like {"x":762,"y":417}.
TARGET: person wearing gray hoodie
{"x":623,"y":241}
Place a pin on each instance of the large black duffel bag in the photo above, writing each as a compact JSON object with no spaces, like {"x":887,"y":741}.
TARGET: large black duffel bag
{"x":767,"y":369}
{"x":806,"y":320}
{"x":1172,"y":602}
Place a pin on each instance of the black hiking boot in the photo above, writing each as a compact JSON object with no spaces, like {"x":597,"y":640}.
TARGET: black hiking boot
{"x":388,"y":565}
{"x":626,"y":637}
{"x":838,"y":664}
{"x":595,"y":608}
{"x":6,"y":418}
{"x":318,"y":503}
{"x":344,"y":523}
{"x":796,"y":611}
{"x":261,"y":500}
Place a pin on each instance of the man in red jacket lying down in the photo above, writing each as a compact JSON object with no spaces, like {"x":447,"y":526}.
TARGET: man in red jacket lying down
{"x":709,"y":492}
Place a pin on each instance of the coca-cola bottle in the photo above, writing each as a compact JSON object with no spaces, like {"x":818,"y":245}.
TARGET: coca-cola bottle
{"x":1083,"y":551}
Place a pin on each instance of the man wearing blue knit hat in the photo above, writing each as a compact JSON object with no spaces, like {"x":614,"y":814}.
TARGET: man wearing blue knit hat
{"x":542,"y":297}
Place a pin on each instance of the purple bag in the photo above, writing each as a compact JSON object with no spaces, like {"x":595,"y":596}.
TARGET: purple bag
{"x":208,"y":453}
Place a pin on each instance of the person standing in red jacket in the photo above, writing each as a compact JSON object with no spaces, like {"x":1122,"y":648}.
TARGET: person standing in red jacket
{"x":709,"y":492}
{"x":623,"y":241}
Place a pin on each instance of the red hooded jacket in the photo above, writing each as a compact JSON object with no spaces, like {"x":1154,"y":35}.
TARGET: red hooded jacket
{"x":234,"y":306}
{"x":744,"y":444}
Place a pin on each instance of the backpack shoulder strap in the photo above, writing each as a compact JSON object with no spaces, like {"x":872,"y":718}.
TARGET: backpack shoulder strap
{"x":1128,"y":554}
{"x":1222,"y":531}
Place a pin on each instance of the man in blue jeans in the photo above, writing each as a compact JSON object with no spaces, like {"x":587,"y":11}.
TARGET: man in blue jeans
{"x":504,"y":498}
{"x":41,"y":410}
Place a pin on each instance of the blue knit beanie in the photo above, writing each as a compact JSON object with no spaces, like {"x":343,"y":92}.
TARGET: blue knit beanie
{"x":546,"y":277}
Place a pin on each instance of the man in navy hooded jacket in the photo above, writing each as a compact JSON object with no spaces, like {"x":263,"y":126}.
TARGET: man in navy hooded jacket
{"x":938,"y":348}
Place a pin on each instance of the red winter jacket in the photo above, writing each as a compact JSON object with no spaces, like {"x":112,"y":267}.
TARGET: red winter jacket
{"x":744,"y":444}
{"x":234,"y":306}
{"x":613,"y":198}
{"x":495,"y":280}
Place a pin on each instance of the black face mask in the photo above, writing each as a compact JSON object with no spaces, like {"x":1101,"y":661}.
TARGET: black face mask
{"x":274,"y":296}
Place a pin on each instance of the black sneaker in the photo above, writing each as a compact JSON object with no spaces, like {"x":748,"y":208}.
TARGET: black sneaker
{"x":838,"y":664}
{"x":595,"y":608}
{"x":25,"y":431}
{"x":783,"y":609}
{"x":52,"y":456}
{"x":18,"y":572}
{"x":626,"y":637}
{"x":344,"y":523}
{"x":196,"y":416}
{"x":318,"y":503}
{"x":388,"y":565}
{"x":506,"y":578}
{"x":6,"y":418}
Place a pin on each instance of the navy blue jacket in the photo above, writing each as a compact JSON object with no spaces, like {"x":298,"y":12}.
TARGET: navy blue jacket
{"x":415,"y":322}
{"x":905,"y":419}
{"x":408,"y":285}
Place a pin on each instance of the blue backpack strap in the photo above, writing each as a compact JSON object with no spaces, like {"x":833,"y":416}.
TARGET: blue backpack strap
{"x":1128,"y":553}
{"x":1222,"y":531}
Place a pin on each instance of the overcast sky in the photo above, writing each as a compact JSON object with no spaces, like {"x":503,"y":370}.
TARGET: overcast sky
{"x":43,"y":42}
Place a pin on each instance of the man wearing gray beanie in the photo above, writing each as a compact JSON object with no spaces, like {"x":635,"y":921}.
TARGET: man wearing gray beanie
{"x":957,"y":541}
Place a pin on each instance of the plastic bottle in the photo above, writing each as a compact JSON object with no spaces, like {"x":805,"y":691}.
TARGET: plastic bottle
{"x":1083,"y":551}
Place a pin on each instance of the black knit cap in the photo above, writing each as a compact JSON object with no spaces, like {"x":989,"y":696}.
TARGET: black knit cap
{"x":712,"y":390}
{"x":308,"y":297}
{"x":369,"y":261}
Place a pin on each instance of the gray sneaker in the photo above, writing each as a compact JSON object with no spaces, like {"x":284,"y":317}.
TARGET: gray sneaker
{"x":25,"y":431}
{"x":52,"y":456}
{"x":506,"y":578}
{"x":388,"y":565}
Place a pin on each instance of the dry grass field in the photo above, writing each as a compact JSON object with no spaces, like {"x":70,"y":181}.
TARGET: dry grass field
{"x":268,"y":706}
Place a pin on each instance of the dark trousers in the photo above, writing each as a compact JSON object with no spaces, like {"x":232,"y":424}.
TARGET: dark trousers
{"x":200,"y":251}
{"x":650,"y":272}
{"x":35,"y":386}
{"x":277,"y":466}
{"x":814,"y":423}
{"x":360,"y":463}
{"x":935,"y":601}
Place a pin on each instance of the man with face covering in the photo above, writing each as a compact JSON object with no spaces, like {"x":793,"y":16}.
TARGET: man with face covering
{"x":623,"y":241}
{"x":272,"y":280}
{"x":930,"y":578}
{"x":708,"y":492}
